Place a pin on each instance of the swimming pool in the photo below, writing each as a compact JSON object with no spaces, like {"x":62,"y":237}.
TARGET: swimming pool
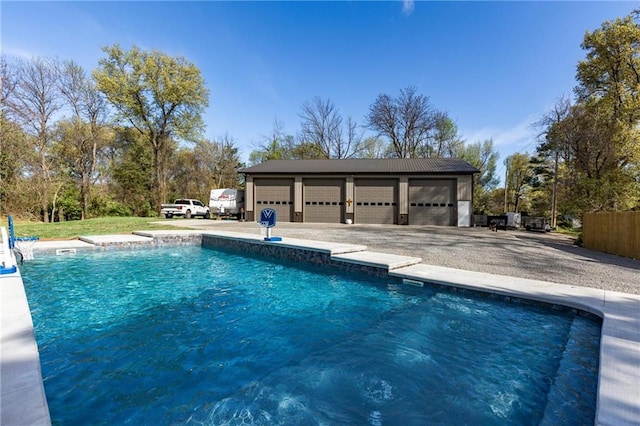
{"x":213,"y":337}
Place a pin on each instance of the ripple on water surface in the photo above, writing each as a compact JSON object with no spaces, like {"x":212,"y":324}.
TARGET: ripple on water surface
{"x":191,"y":335}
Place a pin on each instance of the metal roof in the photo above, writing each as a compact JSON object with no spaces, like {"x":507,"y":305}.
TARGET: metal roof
{"x":362,"y":166}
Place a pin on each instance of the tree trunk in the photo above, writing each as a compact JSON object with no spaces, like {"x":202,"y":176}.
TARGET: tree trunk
{"x":44,"y":201}
{"x":84,"y":197}
{"x":554,"y":193}
{"x":159,"y":183}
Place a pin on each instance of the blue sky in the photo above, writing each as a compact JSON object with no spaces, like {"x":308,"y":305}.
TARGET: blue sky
{"x":494,"y":67}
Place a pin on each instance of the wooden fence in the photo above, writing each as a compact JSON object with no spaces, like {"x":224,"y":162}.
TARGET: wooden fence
{"x":612,"y":232}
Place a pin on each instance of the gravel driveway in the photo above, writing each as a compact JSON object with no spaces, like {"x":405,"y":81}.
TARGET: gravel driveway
{"x":542,"y":256}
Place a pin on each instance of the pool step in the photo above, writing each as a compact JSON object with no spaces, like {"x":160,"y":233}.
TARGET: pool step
{"x":571,"y":370}
{"x":373,"y":259}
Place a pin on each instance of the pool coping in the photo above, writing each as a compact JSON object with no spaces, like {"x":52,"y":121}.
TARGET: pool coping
{"x":22,"y":397}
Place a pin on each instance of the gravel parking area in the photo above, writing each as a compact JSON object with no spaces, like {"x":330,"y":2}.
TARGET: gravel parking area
{"x":541,"y":256}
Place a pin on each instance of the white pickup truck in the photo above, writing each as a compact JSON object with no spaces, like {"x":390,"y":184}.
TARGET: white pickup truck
{"x":185,"y":207}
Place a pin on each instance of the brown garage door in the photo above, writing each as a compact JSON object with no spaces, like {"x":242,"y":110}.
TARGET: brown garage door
{"x":376,"y":201}
{"x":323,"y":200}
{"x":276,"y":194}
{"x":432,"y":202}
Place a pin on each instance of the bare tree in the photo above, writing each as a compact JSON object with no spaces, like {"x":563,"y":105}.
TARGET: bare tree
{"x":321,"y":124}
{"x":15,"y":152}
{"x":554,"y":139}
{"x":353,"y":140}
{"x":33,"y":103}
{"x":227,"y":163}
{"x":85,"y":134}
{"x":7,"y":82}
{"x":519,"y":175}
{"x":408,"y":121}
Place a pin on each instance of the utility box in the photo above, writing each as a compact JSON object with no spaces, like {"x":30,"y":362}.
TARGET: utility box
{"x":513,"y":220}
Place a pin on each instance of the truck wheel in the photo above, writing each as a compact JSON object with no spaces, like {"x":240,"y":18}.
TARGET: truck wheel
{"x":168,"y":216}
{"x":187,"y":214}
{"x":207,"y":215}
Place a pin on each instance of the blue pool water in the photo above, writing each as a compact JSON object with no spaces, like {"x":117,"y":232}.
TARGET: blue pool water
{"x":187,"y":335}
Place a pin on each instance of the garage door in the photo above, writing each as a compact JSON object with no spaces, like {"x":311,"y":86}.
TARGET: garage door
{"x":432,"y":202}
{"x":323,"y":200}
{"x":276,"y":194}
{"x":376,"y":201}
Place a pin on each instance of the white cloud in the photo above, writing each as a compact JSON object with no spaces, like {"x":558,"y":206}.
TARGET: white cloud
{"x":408,"y":6}
{"x":520,"y":137}
{"x":18,"y":52}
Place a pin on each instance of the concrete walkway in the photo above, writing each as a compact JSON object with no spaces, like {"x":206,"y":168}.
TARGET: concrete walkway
{"x":538,"y":256}
{"x":23,"y":402}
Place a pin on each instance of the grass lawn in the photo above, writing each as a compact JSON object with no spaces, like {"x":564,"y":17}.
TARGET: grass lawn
{"x":97,"y":226}
{"x":569,"y":231}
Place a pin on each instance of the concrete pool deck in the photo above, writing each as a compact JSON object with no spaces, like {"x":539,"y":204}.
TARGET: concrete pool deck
{"x":22,"y":398}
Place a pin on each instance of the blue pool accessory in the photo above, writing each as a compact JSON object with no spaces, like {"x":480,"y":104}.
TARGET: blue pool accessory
{"x":12,"y":234}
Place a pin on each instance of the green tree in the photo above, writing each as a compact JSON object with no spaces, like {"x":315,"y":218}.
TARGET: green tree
{"x":495,"y":202}
{"x":273,"y":151}
{"x":372,"y":148}
{"x":445,"y":142}
{"x":593,"y":142}
{"x":279,"y":145}
{"x":186,"y":177}
{"x":130,"y":176}
{"x":160,"y":96}
{"x":15,"y":152}
{"x":304,"y":151}
{"x":589,"y":175}
{"x":610,"y":75}
{"x":484,"y":157}
{"x":15,"y":157}
{"x":541,"y":187}
{"x":207,"y":165}
{"x":519,"y":177}
{"x":274,"y":146}
{"x":607,"y":114}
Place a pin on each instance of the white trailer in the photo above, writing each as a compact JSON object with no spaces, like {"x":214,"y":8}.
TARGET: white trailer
{"x":514,"y":220}
{"x":227,"y":202}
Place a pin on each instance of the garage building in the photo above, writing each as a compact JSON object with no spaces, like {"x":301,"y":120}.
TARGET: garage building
{"x":412,"y":191}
